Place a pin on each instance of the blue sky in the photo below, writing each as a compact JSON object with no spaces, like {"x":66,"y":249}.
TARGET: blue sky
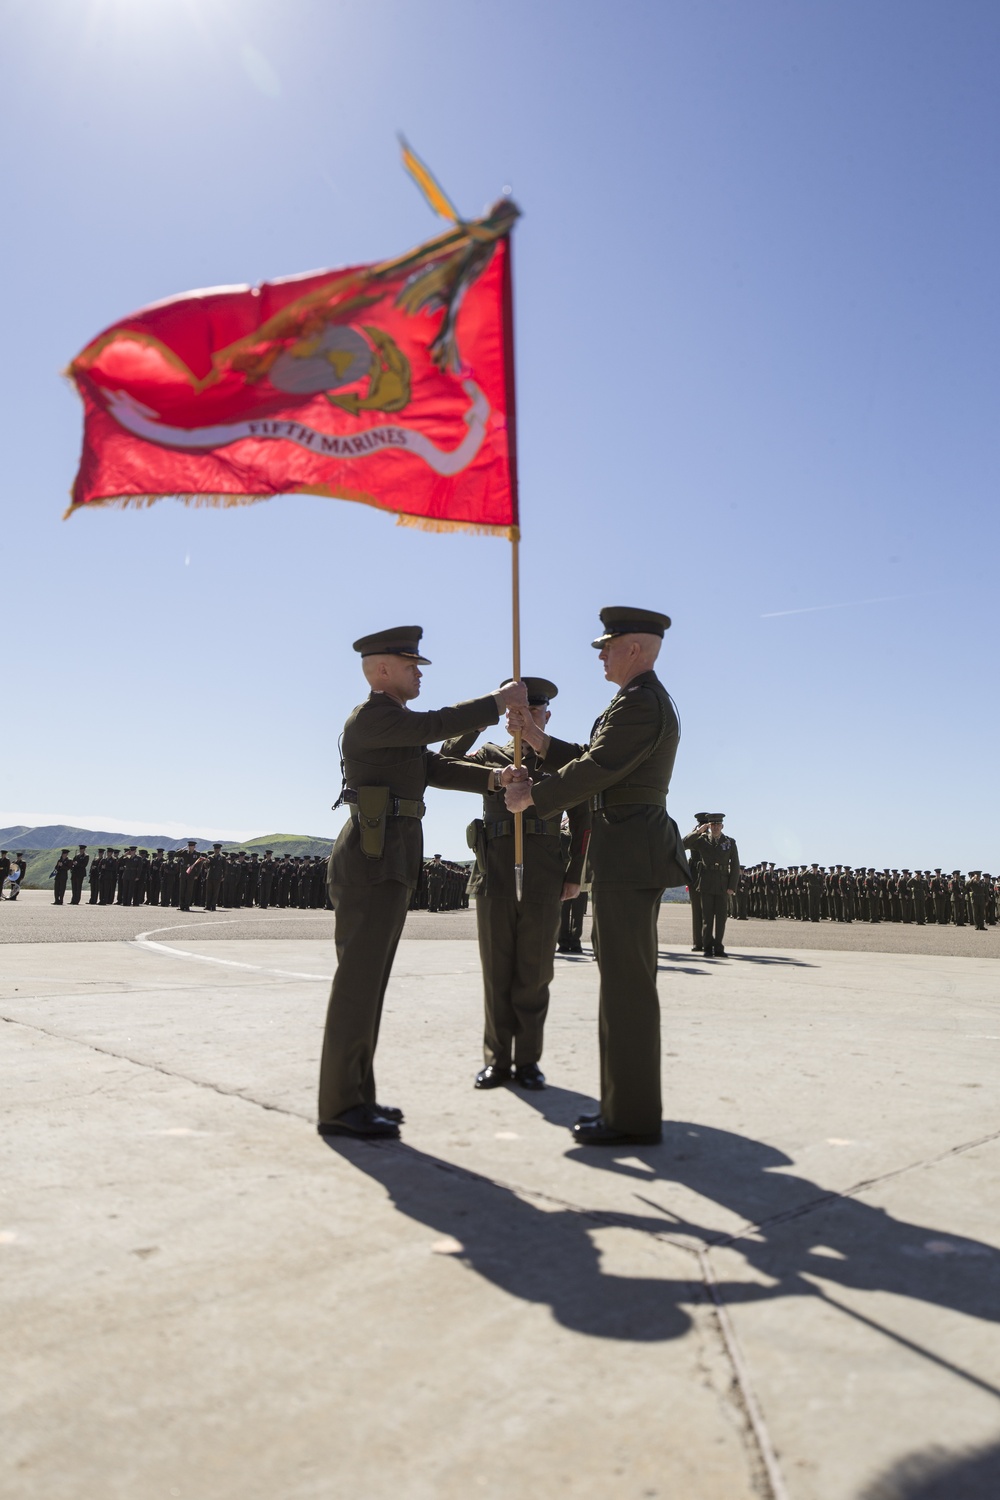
{"x":756,"y":287}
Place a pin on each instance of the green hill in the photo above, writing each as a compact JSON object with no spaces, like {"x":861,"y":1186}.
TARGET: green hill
{"x":286,"y":843}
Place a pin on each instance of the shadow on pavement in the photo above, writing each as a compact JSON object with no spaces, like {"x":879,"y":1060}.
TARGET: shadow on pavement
{"x":676,"y":967}
{"x":806,"y":1238}
{"x":802,"y":1232}
{"x":534,"y":1254}
{"x":938,"y":1475}
{"x":770,"y":958}
{"x":558,"y":1106}
{"x":676,"y":960}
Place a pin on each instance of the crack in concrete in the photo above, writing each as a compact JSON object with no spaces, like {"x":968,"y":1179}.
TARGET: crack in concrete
{"x":768,"y":1471}
{"x":812,"y":1205}
{"x":202,"y":1083}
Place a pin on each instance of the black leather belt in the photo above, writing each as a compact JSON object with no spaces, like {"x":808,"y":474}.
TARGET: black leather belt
{"x":621,"y":796}
{"x":505,"y":826}
{"x":397,"y":807}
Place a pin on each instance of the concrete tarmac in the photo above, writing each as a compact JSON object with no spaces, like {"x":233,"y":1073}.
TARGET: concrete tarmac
{"x":795,"y":1296}
{"x":34,"y":918}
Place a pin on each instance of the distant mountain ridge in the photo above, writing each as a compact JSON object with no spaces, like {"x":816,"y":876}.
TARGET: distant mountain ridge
{"x":62,"y":836}
{"x":42,"y":846}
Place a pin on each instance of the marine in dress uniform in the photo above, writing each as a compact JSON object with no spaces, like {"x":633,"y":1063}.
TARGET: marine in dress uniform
{"x":697,"y":935}
{"x":155,"y":877}
{"x":61,"y":873}
{"x":141,"y":882}
{"x":635,"y":854}
{"x":377,"y":858}
{"x":717,"y":878}
{"x":169,"y":877}
{"x":188,"y":881}
{"x":96,"y":867}
{"x":77,"y":870}
{"x":976,"y":893}
{"x":814,"y":880}
{"x":435,"y":874}
{"x":109,"y":877}
{"x":517,"y":939}
{"x":214,"y":871}
{"x":266,"y":879}
{"x":959,"y":902}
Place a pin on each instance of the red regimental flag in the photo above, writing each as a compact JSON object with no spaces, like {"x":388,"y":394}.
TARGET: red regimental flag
{"x":390,"y":384}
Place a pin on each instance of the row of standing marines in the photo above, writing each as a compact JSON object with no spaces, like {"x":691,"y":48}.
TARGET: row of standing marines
{"x":186,"y":878}
{"x":842,"y":893}
{"x":613,"y":791}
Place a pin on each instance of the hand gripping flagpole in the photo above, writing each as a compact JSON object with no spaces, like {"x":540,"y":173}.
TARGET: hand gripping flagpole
{"x":515,"y":536}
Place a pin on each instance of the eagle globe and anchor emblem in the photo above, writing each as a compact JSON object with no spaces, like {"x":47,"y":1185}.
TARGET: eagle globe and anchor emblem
{"x":358,"y":369}
{"x":342,"y":355}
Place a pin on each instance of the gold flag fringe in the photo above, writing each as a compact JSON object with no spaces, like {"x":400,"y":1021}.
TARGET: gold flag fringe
{"x":430,"y":523}
{"x":141,"y":502}
{"x":224,"y":501}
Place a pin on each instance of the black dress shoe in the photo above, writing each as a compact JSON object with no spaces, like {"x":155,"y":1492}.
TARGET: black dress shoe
{"x":390,"y":1112}
{"x":709,"y":950}
{"x":361,"y":1120}
{"x":698,"y":948}
{"x":719,"y":951}
{"x":493,"y":1076}
{"x":529,"y":1075}
{"x":585,"y":1119}
{"x":597,"y":1133}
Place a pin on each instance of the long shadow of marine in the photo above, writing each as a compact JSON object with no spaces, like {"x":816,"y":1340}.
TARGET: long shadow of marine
{"x":545,"y":1253}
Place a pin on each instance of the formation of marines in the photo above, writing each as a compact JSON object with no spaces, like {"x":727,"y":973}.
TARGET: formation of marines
{"x":443,"y":886}
{"x":144,"y":877}
{"x":613,"y":788}
{"x":184,"y":878}
{"x":842,"y":893}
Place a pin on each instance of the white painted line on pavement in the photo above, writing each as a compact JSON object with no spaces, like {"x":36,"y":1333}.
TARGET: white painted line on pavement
{"x":144,"y":940}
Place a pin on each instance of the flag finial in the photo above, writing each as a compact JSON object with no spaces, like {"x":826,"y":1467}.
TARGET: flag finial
{"x":428,"y":184}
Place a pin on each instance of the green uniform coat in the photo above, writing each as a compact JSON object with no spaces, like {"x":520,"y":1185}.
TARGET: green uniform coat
{"x":384,"y":744}
{"x":635,"y":854}
{"x":718,"y":871}
{"x":517,"y":939}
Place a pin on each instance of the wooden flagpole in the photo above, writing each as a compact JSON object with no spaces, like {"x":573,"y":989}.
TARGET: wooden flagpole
{"x":515,"y":538}
{"x":516,"y":672}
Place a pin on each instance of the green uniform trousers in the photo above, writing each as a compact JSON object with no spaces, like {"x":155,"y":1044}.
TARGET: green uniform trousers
{"x":625,"y":942}
{"x":714,"y":910}
{"x":517,"y":944}
{"x":368,"y":924}
{"x":697,"y":936}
